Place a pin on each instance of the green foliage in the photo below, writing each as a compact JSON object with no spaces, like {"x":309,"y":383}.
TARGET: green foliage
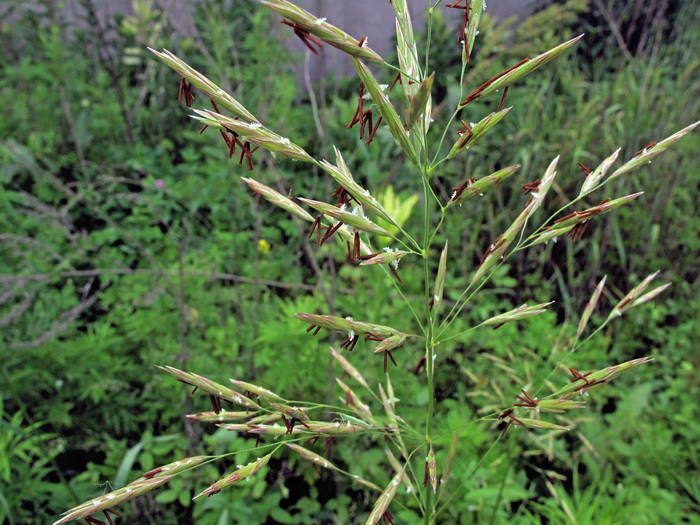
{"x":127,"y":242}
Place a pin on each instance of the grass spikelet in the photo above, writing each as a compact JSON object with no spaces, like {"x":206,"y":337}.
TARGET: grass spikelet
{"x":419,"y":104}
{"x":278,"y":199}
{"x":650,"y":295}
{"x":406,"y":480}
{"x":476,"y":188}
{"x":590,"y":306}
{"x":387,"y":110}
{"x":255,"y":133}
{"x":540,"y":424}
{"x":297,"y":413}
{"x":521,"y":312}
{"x":353,"y":402}
{"x":346,"y":325}
{"x":132,"y":490}
{"x":342,"y":175}
{"x":347,"y":366}
{"x":173,"y":468}
{"x":584,"y":382}
{"x":636,"y":296}
{"x":257,"y":390}
{"x":388,"y":408}
{"x":471,"y":134}
{"x":388,"y":257}
{"x":477,"y":8}
{"x":449,"y":461}
{"x":390,"y":343}
{"x":212,"y":388}
{"x":213,"y":417}
{"x":522,"y":68}
{"x":568,"y":225}
{"x":496,"y":252}
{"x":314,"y":458}
{"x":320,"y":28}
{"x":409,"y":63}
{"x":557,"y":406}
{"x":406,"y":48}
{"x":382,"y":503}
{"x":235,"y":477}
{"x":431,"y":469}
{"x":317,"y":428}
{"x":647,"y":154}
{"x":440,"y":282}
{"x":208,"y":87}
{"x":355,"y":219}
{"x":594,"y":178}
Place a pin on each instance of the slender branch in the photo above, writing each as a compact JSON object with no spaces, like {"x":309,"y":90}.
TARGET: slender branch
{"x":614,"y":29}
{"x":39,"y":277}
{"x":65,"y":320}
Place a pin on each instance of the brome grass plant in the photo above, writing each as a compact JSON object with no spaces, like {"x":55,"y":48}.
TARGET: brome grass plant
{"x":418,"y":463}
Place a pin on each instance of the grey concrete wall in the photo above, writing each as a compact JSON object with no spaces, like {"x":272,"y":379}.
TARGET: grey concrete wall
{"x":371,"y":18}
{"x":375,"y":19}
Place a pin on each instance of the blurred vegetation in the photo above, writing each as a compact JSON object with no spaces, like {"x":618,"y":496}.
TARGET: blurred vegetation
{"x":128,"y":241}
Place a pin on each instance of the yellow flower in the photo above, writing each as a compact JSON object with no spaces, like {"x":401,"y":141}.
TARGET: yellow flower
{"x":264,"y":246}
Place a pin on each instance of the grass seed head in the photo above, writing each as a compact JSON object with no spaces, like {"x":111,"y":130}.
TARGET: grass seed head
{"x":476,"y":188}
{"x":353,"y":402}
{"x":518,"y":71}
{"x":439,"y":290}
{"x":320,"y":28}
{"x":212,"y":388}
{"x":476,"y":132}
{"x":342,"y":175}
{"x":314,"y":458}
{"x":355,"y":220}
{"x":255,"y":133}
{"x":382,"y":503}
{"x":347,"y":366}
{"x":387,"y":110}
{"x":173,"y":468}
{"x":431,"y":467}
{"x":647,"y":154}
{"x":636,"y":296}
{"x":521,"y":312}
{"x":585,"y":381}
{"x":590,"y":307}
{"x":278,"y":199}
{"x":106,"y":501}
{"x":235,"y":477}
{"x":257,"y":390}
{"x":208,"y":87}
{"x":499,"y":248}
{"x":594,"y":178}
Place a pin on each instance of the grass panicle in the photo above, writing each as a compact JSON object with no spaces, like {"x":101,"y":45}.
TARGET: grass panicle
{"x":414,"y":440}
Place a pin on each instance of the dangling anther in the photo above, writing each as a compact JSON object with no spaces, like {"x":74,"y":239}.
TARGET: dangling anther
{"x":309,"y":40}
{"x":331,"y":230}
{"x":374,"y":130}
{"x":503,"y":98}
{"x":395,"y":272}
{"x":419,"y":366}
{"x":185,"y":92}
{"x":397,"y":78}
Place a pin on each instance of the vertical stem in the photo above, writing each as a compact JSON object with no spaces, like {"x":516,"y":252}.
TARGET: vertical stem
{"x":429,"y":503}
{"x":427,"y":43}
{"x":429,"y":345}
